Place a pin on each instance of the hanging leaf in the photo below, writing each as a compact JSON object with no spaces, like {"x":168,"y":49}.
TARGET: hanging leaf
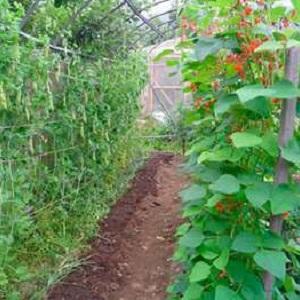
{"x":272,"y":241}
{"x":251,"y":285}
{"x":292,"y":296}
{"x":224,"y":104}
{"x":222,"y":261}
{"x":192,"y":193}
{"x":245,"y":139}
{"x":192,"y":239}
{"x":283,"y":199}
{"x":193,"y":292}
{"x":207,"y":46}
{"x":163,"y":54}
{"x":272,"y":261}
{"x":183,"y":229}
{"x":248,"y":178}
{"x":283,"y":89}
{"x":291,"y":151}
{"x":225,"y":293}
{"x":259,"y":193}
{"x":208,"y":174}
{"x":245,"y":242}
{"x":223,"y":154}
{"x":259,"y":105}
{"x":269,"y":144}
{"x":226,"y":184}
{"x":270,"y":46}
{"x":200,"y":271}
{"x":212,"y":201}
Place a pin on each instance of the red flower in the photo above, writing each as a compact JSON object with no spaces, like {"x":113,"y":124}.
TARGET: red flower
{"x":197,"y":103}
{"x":239,"y":35}
{"x":275,"y":101}
{"x":239,"y":68}
{"x":193,"y":26}
{"x":193,"y":87}
{"x":220,"y":207}
{"x":285,"y":215}
{"x":248,"y":11}
{"x":257,"y":20}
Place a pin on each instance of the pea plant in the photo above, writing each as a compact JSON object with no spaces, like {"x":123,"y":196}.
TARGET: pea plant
{"x":240,"y":60}
{"x":67,"y":149}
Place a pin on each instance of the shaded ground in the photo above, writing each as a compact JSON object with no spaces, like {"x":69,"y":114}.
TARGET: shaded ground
{"x":130,"y":261}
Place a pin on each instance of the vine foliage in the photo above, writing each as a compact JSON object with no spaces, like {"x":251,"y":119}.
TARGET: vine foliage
{"x":241,"y":62}
{"x":66,"y":144}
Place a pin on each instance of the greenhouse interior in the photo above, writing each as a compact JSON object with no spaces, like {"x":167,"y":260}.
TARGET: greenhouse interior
{"x":150,"y":149}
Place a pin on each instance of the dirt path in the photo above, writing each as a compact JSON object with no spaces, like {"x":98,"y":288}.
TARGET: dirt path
{"x":130,"y":261}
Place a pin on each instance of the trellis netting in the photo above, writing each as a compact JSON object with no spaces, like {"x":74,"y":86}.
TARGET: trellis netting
{"x":66,"y":143}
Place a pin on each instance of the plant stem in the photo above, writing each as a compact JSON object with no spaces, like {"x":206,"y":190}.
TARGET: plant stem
{"x":286,"y":132}
{"x":31,"y":10}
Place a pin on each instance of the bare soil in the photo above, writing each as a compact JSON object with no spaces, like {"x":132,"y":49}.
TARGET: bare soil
{"x":130,"y":260}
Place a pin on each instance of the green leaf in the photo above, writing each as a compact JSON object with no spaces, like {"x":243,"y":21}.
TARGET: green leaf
{"x":283,"y":199}
{"x":248,"y":178}
{"x":226,"y":184}
{"x":278,"y":45}
{"x":207,"y":46}
{"x":172,"y":62}
{"x":291,"y":152}
{"x":259,"y":105}
{"x":212,"y":201}
{"x":245,"y":242}
{"x":269,"y":144}
{"x":251,"y":285}
{"x":245,"y":139}
{"x":272,"y":261}
{"x":193,"y":292}
{"x":200,"y":271}
{"x":192,"y":239}
{"x":193,"y":210}
{"x":222,"y":261}
{"x":217,"y":155}
{"x":224,"y":104}
{"x":223,"y":154}
{"x":289,"y":284}
{"x":259,"y":193}
{"x":270,"y":46}
{"x":292,"y":296}
{"x":225,"y":293}
{"x":296,"y":4}
{"x":163,"y":54}
{"x":207,"y":254}
{"x":183,"y":229}
{"x":252,"y":288}
{"x":3,"y":278}
{"x":283,"y":89}
{"x":192,"y":193}
{"x":208,"y":174}
{"x":272,"y":241}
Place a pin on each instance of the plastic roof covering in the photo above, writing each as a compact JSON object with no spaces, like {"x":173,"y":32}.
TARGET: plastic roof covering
{"x":154,"y":50}
{"x":151,"y":17}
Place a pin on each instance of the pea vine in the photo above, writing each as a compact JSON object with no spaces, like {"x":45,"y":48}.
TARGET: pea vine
{"x":241,"y":236}
{"x":66,"y":146}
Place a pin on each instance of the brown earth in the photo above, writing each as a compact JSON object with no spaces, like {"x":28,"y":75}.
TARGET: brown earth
{"x":131,"y":258}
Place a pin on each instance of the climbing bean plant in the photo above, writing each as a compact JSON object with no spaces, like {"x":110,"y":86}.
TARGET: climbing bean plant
{"x":241,"y":63}
{"x":67,"y":146}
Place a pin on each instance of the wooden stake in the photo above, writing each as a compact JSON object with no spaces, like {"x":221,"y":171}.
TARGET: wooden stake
{"x":287,"y":127}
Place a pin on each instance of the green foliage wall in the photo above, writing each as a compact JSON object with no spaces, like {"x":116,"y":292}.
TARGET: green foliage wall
{"x":66,"y":144}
